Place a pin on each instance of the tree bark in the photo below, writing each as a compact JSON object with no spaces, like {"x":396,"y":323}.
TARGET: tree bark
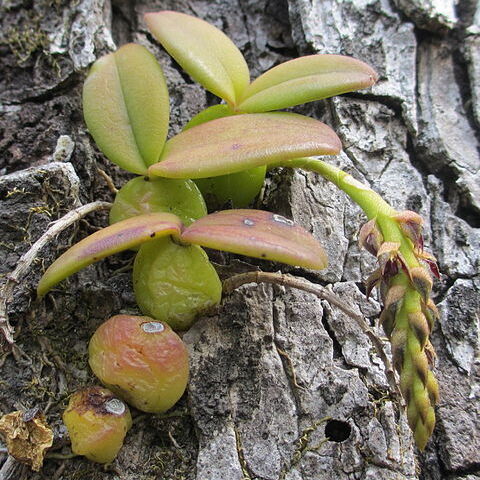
{"x":284,"y":386}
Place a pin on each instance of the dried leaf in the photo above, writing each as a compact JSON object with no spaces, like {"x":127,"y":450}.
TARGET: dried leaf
{"x":27,"y":441}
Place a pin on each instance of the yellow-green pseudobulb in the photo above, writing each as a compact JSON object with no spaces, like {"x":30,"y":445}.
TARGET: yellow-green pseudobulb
{"x":142,"y":195}
{"x":97,"y":423}
{"x":174,"y":283}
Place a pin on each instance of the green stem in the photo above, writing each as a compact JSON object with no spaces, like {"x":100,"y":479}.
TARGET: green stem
{"x":369,"y":201}
{"x":373,"y":205}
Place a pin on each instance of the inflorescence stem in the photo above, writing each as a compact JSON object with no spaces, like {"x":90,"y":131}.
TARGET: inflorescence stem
{"x":405,"y":282}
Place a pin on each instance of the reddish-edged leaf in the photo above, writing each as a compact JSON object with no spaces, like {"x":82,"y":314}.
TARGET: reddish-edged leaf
{"x":305,"y":79}
{"x":203,"y":51}
{"x":232,"y":144}
{"x":257,"y":234}
{"x":113,"y":239}
{"x":126,"y":107}
{"x":237,"y":190}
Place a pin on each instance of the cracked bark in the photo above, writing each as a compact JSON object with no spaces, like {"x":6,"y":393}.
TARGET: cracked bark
{"x":271,"y":363}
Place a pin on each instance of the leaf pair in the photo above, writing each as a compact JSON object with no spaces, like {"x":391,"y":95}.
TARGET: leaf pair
{"x":125,"y":102}
{"x":246,"y":232}
{"x":213,"y":60}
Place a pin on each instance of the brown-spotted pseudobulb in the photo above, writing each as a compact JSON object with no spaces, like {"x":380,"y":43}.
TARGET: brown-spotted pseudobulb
{"x":97,"y":422}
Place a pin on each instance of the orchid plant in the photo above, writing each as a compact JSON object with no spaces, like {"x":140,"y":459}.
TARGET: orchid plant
{"x":223,"y":153}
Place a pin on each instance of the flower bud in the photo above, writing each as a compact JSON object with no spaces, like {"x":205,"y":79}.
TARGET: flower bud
{"x":411,"y":224}
{"x":430,"y":353}
{"x":370,"y":238}
{"x":398,"y":341}
{"x":392,"y":303}
{"x":97,"y":422}
{"x":420,"y":327}
{"x":430,"y":261}
{"x":390,"y":260}
{"x":420,"y":363}
{"x":432,"y":387}
{"x":431,"y":313}
{"x":422,"y":282}
{"x":372,"y":281}
{"x":140,"y":359}
{"x":387,"y":322}
{"x":387,"y":251}
{"x":394,"y":298}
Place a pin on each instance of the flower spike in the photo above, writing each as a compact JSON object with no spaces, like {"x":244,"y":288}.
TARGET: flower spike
{"x":405,"y":285}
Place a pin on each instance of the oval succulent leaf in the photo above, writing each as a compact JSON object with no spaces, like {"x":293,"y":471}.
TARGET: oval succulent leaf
{"x":237,"y":190}
{"x":304,"y":80}
{"x":141,"y":360}
{"x":203,"y":51}
{"x":126,"y":107}
{"x":113,"y":239}
{"x":97,"y":423}
{"x":232,"y":144}
{"x":257,"y":234}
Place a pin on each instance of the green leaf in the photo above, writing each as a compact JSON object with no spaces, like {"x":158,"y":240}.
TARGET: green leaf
{"x":304,"y":80}
{"x":142,"y":195}
{"x":237,"y":190}
{"x":257,"y":234}
{"x":210,"y":113}
{"x":203,"y":51}
{"x":233,"y":144}
{"x":126,"y":107}
{"x":113,"y":239}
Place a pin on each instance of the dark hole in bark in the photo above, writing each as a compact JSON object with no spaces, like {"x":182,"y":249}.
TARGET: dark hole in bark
{"x":337,"y":431}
